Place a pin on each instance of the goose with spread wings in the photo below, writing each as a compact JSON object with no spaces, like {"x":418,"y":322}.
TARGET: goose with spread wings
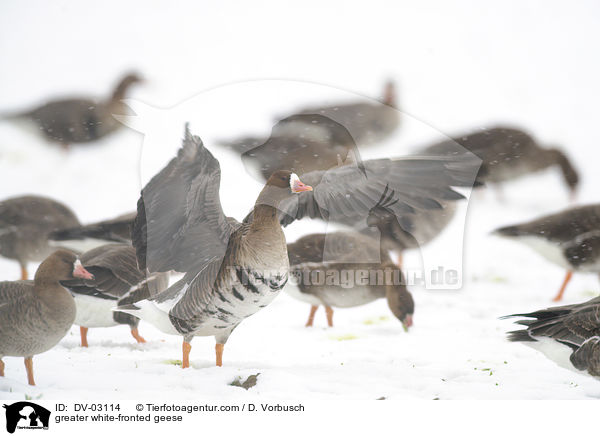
{"x":234,"y":269}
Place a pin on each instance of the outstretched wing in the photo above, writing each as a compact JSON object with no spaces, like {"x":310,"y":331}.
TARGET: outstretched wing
{"x":180,"y":224}
{"x":346,"y":193}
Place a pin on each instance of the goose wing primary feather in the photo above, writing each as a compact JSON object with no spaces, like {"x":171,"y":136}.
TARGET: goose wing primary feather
{"x":347,"y":193}
{"x":179,"y":207}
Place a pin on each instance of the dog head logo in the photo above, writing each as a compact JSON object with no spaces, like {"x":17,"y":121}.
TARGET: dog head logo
{"x":26,"y":415}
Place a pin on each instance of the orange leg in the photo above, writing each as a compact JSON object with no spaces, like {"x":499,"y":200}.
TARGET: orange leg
{"x":83,"y":332}
{"x":329,"y":312}
{"x":24,"y":274}
{"x":29,"y":368}
{"x":219,"y":352}
{"x":1,"y":368}
{"x":136,"y":335}
{"x":563,"y":287}
{"x":311,"y":316}
{"x":185,"y":363}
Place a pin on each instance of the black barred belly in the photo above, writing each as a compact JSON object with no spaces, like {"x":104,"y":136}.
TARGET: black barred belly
{"x":244,"y":293}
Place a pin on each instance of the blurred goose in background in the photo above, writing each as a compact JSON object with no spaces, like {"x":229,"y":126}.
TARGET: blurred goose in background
{"x":319,"y":138}
{"x":369,"y":123}
{"x":112,"y":230}
{"x":80,"y":120}
{"x":25,"y":224}
{"x":570,"y":239}
{"x":326,"y":267}
{"x":299,"y":143}
{"x":568,"y":335}
{"x":36,"y":315}
{"x":115,"y":271}
{"x":234,"y":269}
{"x":508,"y":154}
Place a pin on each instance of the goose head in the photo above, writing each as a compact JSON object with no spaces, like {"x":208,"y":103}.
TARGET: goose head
{"x":61,"y":265}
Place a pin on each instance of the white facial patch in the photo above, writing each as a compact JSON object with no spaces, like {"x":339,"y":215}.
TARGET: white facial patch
{"x":77,"y":265}
{"x":294,"y":180}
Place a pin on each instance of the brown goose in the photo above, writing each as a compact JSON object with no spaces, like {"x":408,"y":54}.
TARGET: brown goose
{"x":80,"y":120}
{"x":115,"y":271}
{"x":232,"y":269}
{"x":568,"y":335}
{"x":26,"y":222}
{"x":570,"y":239}
{"x":508,"y":154}
{"x":36,"y":315}
{"x":326,"y":269}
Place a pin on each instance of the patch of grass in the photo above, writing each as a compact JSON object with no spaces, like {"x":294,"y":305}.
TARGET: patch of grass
{"x":347,"y":337}
{"x":175,"y":362}
{"x":376,"y":320}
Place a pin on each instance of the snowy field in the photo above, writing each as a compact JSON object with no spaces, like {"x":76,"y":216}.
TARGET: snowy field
{"x":458,"y":67}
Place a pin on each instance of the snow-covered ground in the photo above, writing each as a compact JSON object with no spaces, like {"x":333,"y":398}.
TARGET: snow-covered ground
{"x":459,"y":66}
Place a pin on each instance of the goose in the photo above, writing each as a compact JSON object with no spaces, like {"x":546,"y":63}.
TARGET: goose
{"x":369,"y":123}
{"x":509,"y":153}
{"x":25,"y":224}
{"x":313,"y":137}
{"x":115,"y":271}
{"x":234,"y":269}
{"x":568,"y":335}
{"x":300,"y":143}
{"x":36,"y":315}
{"x":569,"y":239}
{"x":326,"y":268}
{"x":80,"y":120}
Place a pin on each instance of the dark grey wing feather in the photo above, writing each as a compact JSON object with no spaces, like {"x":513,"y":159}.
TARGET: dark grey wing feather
{"x":115,"y":230}
{"x":571,"y":325}
{"x":587,"y":357}
{"x":346,"y":194}
{"x":180,"y":223}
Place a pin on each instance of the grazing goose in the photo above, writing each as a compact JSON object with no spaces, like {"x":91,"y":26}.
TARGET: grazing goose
{"x":113,"y":230}
{"x":115,"y":271}
{"x":80,"y":120}
{"x":508,"y":154}
{"x":326,"y":268}
{"x":26,"y":222}
{"x":568,"y":335}
{"x":36,"y":315}
{"x":570,"y":239}
{"x":232,"y":269}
